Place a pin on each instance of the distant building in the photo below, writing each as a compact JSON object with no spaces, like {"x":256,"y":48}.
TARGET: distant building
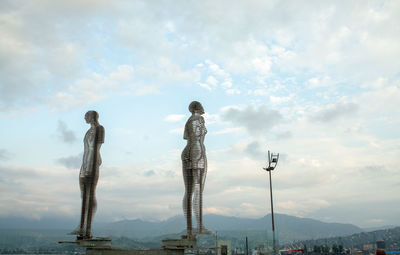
{"x":356,"y":251}
{"x":369,"y":247}
{"x":380,"y":244}
{"x":224,"y":247}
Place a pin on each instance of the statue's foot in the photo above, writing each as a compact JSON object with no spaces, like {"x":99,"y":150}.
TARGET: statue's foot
{"x":188,"y":236}
{"x":203,"y":231}
{"x":77,"y":232}
{"x":88,"y":237}
{"x":83,"y":237}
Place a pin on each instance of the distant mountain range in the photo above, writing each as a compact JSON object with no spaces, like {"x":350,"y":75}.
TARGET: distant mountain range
{"x":289,"y":228}
{"x":31,"y":234}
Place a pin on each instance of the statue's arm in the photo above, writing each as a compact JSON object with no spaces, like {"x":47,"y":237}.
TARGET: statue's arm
{"x":196,"y":128}
{"x":100,"y":135}
{"x":203,"y":126}
{"x":83,"y":161}
{"x":94,"y":148}
{"x":185,"y":132}
{"x":90,"y":156}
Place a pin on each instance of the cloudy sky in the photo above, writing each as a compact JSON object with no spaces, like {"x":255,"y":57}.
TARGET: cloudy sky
{"x":316,"y":81}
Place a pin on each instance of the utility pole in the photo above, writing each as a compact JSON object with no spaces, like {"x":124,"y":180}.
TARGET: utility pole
{"x":216,"y":242}
{"x":272,"y":162}
{"x":247,"y":247}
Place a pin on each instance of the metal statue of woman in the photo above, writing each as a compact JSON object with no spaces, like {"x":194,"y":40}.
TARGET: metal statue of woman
{"x":89,"y":173}
{"x":194,"y":167}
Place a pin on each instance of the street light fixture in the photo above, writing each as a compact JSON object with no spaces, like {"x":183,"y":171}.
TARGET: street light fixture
{"x":272,"y":162}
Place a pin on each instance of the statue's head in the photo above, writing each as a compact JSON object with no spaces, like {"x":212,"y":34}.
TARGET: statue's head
{"x":196,"y":107}
{"x":91,"y":117}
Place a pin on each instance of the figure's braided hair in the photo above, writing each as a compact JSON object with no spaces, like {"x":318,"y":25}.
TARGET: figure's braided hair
{"x":196,"y":106}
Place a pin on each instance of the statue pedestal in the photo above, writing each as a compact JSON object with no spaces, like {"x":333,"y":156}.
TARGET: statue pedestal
{"x":98,"y":242}
{"x":179,"y":244}
{"x":102,"y":246}
{"x":115,"y":251}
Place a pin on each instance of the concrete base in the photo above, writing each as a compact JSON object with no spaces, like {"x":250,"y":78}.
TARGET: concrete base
{"x":102,"y":246}
{"x":179,"y":244}
{"x":114,"y":251}
{"x":169,"y":247}
{"x":99,"y":242}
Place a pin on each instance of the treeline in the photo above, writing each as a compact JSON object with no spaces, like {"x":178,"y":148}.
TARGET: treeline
{"x":357,"y":241}
{"x":36,"y":242}
{"x":69,"y":249}
{"x":326,"y":249}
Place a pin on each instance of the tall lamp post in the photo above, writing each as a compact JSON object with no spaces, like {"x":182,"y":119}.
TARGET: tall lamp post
{"x":272,"y":162}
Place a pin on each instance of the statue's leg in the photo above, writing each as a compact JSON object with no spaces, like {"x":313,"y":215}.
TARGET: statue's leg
{"x":201,"y":188}
{"x":83,"y":184}
{"x":187,"y":198}
{"x":198,"y":197}
{"x":92,"y":207}
{"x":196,"y":203}
{"x":94,"y":199}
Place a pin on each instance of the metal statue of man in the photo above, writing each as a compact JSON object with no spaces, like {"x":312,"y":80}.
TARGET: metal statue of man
{"x":194,"y":167}
{"x":89,"y":174}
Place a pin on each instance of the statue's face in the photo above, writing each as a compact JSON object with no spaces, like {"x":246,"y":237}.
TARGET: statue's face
{"x":199,"y":111}
{"x":89,"y":118}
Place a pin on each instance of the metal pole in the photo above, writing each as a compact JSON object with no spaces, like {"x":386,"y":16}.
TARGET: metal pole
{"x":272,"y":203}
{"x":272,"y":215}
{"x":216,"y":242}
{"x":247,"y":247}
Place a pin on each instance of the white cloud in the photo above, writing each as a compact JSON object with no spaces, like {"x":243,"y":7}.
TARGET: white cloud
{"x":228,"y":130}
{"x":316,"y":82}
{"x":335,"y":111}
{"x":176,"y":131}
{"x":346,"y":56}
{"x":169,"y":72}
{"x":257,"y":119}
{"x":219,"y":77}
{"x":280,"y":100}
{"x":205,"y":85}
{"x":73,"y":162}
{"x":262,"y":65}
{"x":4,"y":155}
{"x":211,"y":118}
{"x":146,"y":90}
{"x":125,"y":80}
{"x":124,"y":73}
{"x":259,"y":92}
{"x":340,"y":38}
{"x":170,"y":26}
{"x":249,"y":56}
{"x":66,"y":135}
{"x":226,"y":84}
{"x":374,"y":221}
{"x":313,"y":82}
{"x":212,"y":81}
{"x":301,"y":209}
{"x":233,"y":91}
{"x":217,"y":70}
{"x":174,"y":117}
{"x":88,"y":90}
{"x":38,"y":54}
